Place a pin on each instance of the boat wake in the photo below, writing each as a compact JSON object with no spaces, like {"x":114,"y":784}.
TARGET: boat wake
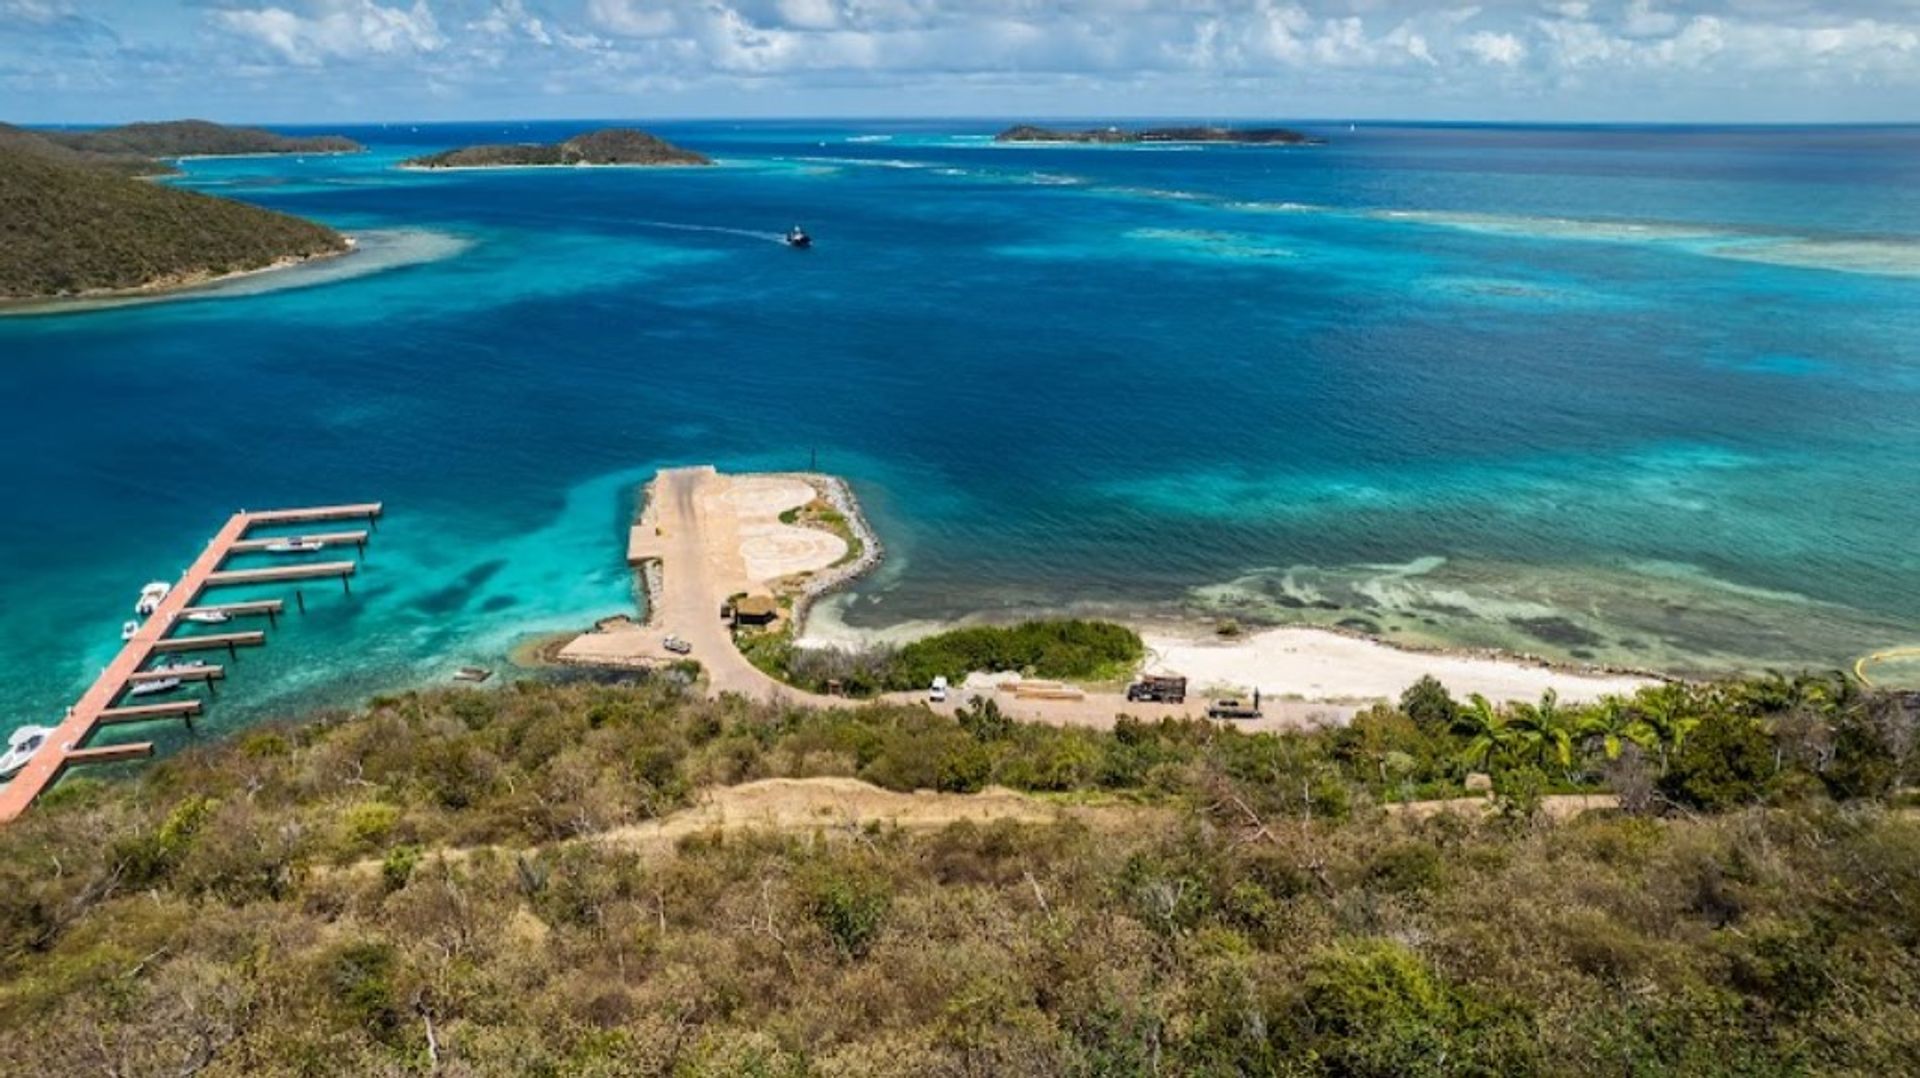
{"x":745,"y":233}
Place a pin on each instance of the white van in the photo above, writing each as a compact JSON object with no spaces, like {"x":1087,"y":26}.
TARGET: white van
{"x":938,"y":693}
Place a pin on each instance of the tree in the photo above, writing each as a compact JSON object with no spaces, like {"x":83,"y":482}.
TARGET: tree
{"x":1670,"y":713}
{"x":1429,"y":704}
{"x":1727,"y":761}
{"x":1490,"y":740}
{"x":1612,"y":724}
{"x":1545,"y":731}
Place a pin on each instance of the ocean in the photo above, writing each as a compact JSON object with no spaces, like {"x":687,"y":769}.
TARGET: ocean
{"x":1647,"y":396}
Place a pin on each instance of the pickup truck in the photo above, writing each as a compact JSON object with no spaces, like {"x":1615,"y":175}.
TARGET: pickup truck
{"x":1158,"y":689}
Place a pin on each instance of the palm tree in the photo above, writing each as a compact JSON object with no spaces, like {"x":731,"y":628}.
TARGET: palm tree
{"x":1613,"y":723}
{"x":1667,"y":711}
{"x":1489,"y":736}
{"x":1547,"y":729}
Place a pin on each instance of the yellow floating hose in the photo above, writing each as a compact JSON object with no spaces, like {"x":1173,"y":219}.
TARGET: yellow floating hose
{"x":1860,"y":665}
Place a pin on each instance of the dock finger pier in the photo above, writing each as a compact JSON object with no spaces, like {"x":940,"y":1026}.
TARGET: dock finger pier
{"x":144,"y":663}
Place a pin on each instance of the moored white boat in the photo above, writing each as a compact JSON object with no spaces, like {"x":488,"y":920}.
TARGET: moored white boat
{"x":209,"y":617}
{"x":154,"y":688}
{"x":21,"y":745}
{"x":128,"y":629}
{"x":151,"y":596}
{"x":295,"y":544}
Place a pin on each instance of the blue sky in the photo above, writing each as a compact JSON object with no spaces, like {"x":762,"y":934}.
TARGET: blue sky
{"x":292,"y":61}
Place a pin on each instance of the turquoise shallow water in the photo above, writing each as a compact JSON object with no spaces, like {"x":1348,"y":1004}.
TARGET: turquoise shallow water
{"x":1645,"y":396}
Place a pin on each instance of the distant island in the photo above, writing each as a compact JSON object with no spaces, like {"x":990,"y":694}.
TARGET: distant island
{"x":74,"y":222}
{"x":195,"y":138}
{"x":1252,"y":136}
{"x":611,"y":146}
{"x":142,"y":149}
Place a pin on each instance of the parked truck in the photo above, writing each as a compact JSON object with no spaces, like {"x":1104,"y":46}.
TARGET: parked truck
{"x":1158,"y":689}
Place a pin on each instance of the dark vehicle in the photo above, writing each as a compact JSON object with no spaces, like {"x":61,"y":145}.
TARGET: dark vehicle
{"x":1157,"y":689}
{"x":797,"y":237}
{"x":1235,"y":708}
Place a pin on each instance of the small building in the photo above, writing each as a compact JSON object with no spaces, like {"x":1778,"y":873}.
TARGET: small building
{"x":756,"y":610}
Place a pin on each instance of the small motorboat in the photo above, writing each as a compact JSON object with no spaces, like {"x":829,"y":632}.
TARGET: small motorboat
{"x":797,"y":237}
{"x":472,"y":673}
{"x":150,"y":597}
{"x":21,"y":746}
{"x":209,"y":617}
{"x":153,"y":688}
{"x":160,"y":685}
{"x":129,"y":630}
{"x":294,"y":544}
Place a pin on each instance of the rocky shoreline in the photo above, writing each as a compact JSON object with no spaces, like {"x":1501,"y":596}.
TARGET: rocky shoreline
{"x":836,"y":491}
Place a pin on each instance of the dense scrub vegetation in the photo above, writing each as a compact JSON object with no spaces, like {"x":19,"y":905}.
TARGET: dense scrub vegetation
{"x":69,"y":228}
{"x":196,"y":138}
{"x":418,"y":889}
{"x":610,"y":146}
{"x":36,"y":144}
{"x":1051,"y":649}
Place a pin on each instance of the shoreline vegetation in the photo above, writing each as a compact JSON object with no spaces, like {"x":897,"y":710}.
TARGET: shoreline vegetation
{"x":633,"y":878}
{"x":176,"y":286}
{"x":79,"y":224}
{"x":603,"y":148}
{"x":1303,"y":664}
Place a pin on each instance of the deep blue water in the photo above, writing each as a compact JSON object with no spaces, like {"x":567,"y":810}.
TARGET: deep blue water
{"x":1649,"y":395}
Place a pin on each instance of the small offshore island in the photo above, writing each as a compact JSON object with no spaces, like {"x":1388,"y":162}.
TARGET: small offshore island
{"x":1117,"y":136}
{"x":609,"y":146}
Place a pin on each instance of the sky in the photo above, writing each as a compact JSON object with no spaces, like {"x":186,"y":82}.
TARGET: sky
{"x":320,"y":61}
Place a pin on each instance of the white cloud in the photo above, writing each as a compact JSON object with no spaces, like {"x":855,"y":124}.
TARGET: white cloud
{"x":337,"y":29}
{"x":510,"y":18}
{"x":1642,"y":20}
{"x":1491,"y":48}
{"x":1475,"y":56}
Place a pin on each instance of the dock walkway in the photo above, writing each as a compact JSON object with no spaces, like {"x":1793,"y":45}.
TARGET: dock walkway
{"x":99,"y":706}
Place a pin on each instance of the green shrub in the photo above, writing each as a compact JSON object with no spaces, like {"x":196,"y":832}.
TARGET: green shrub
{"x":1726,"y":761}
{"x":849,"y":902}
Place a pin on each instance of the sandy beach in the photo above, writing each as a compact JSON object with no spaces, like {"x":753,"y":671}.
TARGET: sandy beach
{"x":170,"y":287}
{"x":1317,"y":664}
{"x":372,"y":251}
{"x":1301,"y":663}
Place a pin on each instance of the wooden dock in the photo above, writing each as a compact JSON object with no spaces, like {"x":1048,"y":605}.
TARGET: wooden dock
{"x":101,"y":704}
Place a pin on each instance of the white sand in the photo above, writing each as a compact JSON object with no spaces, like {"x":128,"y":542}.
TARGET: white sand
{"x":1320,"y":665}
{"x":771,"y":549}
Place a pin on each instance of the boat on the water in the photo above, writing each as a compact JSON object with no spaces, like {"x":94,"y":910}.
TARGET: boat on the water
{"x":129,"y":629}
{"x":295,"y":544}
{"x":797,"y":237}
{"x":165,"y":684}
{"x":209,"y":617}
{"x":21,"y":745}
{"x":153,"y":688}
{"x":150,"y":597}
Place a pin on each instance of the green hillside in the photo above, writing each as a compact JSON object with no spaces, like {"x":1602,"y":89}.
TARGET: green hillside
{"x":68,"y":228}
{"x":37,"y":144}
{"x":191,"y":138}
{"x":480,"y":883}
